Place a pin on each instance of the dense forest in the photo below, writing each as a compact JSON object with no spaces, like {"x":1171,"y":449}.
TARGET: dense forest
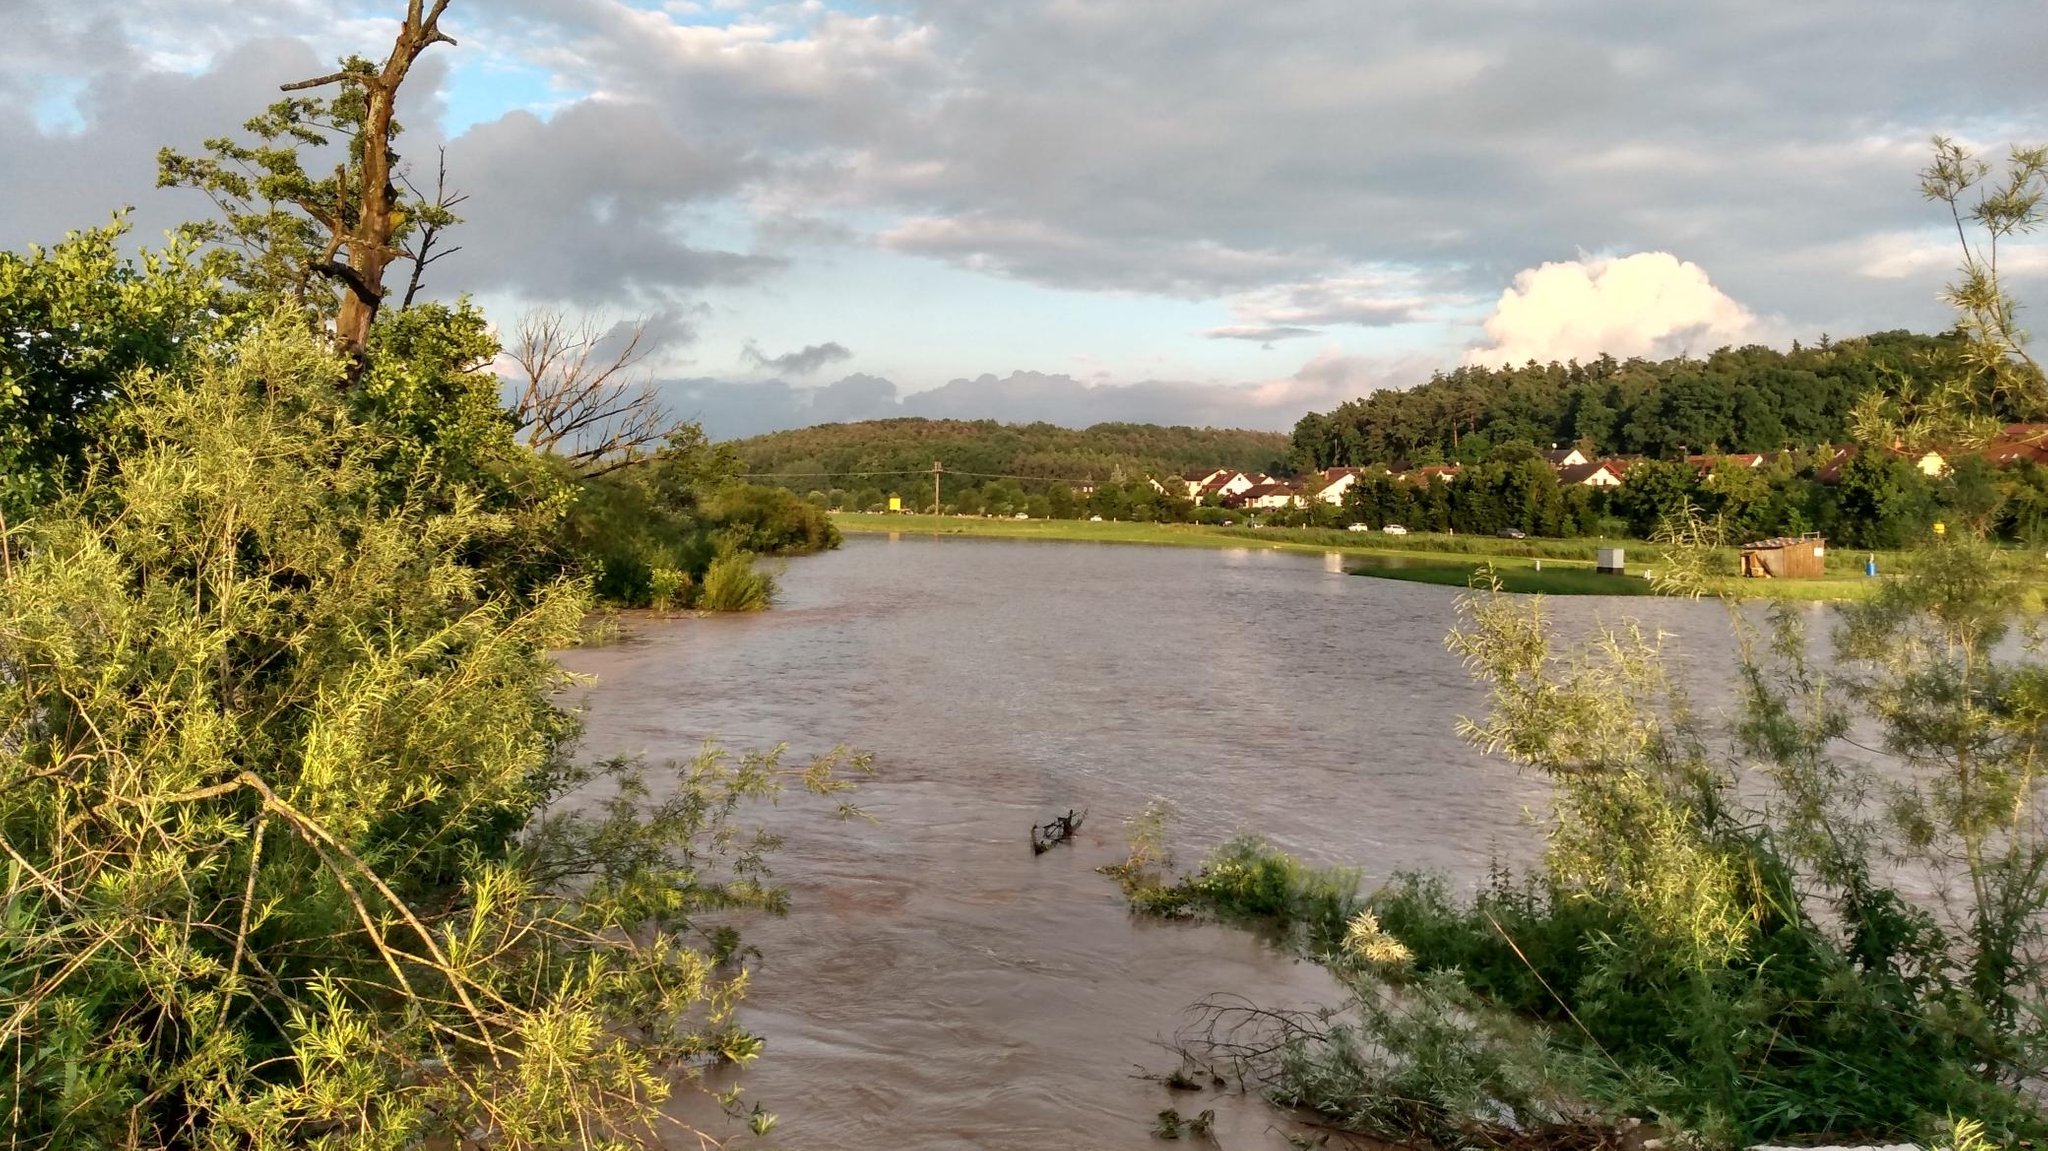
{"x":860,"y":463}
{"x":1751,"y":399}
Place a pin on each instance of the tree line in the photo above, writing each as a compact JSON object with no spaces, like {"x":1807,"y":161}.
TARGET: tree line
{"x":1749,"y":399}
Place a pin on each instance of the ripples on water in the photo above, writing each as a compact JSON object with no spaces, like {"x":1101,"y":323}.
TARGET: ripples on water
{"x":937,"y":985}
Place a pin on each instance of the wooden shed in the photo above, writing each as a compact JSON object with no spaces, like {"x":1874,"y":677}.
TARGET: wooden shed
{"x":1786,"y":558}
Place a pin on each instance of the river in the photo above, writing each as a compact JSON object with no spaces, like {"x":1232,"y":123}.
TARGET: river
{"x":937,"y":986}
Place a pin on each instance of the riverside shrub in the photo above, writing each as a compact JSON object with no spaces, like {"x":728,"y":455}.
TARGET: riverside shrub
{"x":1747,"y":963}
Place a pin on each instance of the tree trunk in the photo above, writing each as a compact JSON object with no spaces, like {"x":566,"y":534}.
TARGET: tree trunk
{"x":370,"y":241}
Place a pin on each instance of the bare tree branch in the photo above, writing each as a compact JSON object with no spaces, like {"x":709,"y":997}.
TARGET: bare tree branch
{"x":583,"y":396}
{"x":432,"y":218}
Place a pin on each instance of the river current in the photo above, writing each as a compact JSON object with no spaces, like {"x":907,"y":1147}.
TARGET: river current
{"x":937,"y":985}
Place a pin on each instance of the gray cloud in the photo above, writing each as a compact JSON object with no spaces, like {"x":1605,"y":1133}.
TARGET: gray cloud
{"x":810,"y":359}
{"x":590,"y":206}
{"x":1309,"y":166}
{"x":1256,"y":334}
{"x":1206,"y":148}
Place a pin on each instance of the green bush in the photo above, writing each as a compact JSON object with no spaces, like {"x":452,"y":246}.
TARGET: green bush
{"x":733,"y":583}
{"x":768,"y":521}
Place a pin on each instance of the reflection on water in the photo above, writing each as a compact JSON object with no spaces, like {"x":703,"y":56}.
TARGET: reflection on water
{"x":938,"y":986}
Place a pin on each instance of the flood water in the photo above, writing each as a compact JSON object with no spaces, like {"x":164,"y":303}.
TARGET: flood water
{"x":938,"y":986}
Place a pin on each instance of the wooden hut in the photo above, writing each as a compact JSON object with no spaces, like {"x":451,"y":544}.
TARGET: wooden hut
{"x":1786,"y":558}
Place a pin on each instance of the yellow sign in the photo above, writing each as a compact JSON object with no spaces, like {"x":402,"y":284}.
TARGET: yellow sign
{"x":895,"y":503}
{"x":1940,"y":529}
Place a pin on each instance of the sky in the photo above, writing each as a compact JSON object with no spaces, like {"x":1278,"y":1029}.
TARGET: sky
{"x":1210,"y":212}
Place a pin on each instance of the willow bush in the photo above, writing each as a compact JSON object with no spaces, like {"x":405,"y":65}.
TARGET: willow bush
{"x":289,"y":858}
{"x":733,"y":583}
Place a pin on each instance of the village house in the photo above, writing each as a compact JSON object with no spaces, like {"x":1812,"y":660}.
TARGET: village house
{"x":1271,"y":495}
{"x":2018,"y":442}
{"x":1561,"y":458}
{"x":1227,"y":486}
{"x":1590,"y":475}
{"x":1338,"y":482}
{"x":1928,"y":462}
{"x":1197,"y":480}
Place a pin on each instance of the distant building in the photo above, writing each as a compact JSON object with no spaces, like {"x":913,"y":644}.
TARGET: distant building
{"x":1564,"y":457}
{"x":1927,"y":462}
{"x":1337,"y":482}
{"x":1804,"y":557}
{"x":1588,"y":475}
{"x":2015,"y":443}
{"x":1197,"y":480}
{"x":1271,"y":495}
{"x":1228,"y":485}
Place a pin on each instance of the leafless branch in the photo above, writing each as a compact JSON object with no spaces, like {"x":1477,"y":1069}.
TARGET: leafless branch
{"x":433,"y":218}
{"x":583,"y":396}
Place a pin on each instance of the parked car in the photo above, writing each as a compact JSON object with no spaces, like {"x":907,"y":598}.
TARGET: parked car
{"x":1094,"y":519}
{"x":1395,"y":530}
{"x":1359,"y":528}
{"x":1513,"y":534}
{"x":1021,"y":516}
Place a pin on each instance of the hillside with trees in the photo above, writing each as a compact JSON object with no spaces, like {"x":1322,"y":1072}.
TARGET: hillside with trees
{"x":1750,"y":399}
{"x":858,"y":464}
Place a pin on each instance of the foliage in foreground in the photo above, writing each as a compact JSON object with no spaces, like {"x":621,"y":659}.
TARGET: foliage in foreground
{"x":280,"y":799}
{"x":1855,"y":953}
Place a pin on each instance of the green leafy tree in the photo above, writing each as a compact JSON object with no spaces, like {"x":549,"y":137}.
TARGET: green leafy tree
{"x":324,"y":241}
{"x":1652,"y":492}
{"x":77,"y":321}
{"x":1880,"y":501}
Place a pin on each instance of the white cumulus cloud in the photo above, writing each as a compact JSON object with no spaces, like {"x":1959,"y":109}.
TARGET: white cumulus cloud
{"x":1648,"y":304}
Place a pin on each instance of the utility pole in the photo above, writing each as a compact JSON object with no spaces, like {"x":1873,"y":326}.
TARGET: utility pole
{"x":936,"y":469}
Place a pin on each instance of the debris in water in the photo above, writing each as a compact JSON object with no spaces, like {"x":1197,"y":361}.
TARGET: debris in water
{"x":1061,"y":829}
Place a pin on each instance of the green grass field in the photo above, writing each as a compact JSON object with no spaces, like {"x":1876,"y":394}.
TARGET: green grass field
{"x":1450,"y":560}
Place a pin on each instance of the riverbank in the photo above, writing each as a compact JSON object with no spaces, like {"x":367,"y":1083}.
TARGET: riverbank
{"x":1535,"y":566}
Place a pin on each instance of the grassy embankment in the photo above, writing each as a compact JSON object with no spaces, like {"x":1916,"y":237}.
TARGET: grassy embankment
{"x":1449,"y":560}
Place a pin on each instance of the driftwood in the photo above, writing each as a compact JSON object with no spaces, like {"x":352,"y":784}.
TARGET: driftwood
{"x":1060,"y":830}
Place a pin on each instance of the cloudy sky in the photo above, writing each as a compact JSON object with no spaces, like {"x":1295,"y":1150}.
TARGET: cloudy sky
{"x":1196,"y":211}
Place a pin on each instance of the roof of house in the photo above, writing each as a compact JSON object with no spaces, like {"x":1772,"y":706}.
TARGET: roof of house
{"x":1580,"y":473}
{"x":1557,"y":456}
{"x":1783,"y":542}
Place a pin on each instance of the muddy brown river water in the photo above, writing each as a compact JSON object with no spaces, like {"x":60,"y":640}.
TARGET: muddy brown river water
{"x":936,"y":985}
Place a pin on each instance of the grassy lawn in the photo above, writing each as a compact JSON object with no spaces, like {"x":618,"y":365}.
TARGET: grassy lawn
{"x":1450,"y":560}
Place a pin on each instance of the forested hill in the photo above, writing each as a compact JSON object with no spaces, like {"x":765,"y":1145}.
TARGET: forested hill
{"x":1751,"y":399}
{"x":864,"y":454}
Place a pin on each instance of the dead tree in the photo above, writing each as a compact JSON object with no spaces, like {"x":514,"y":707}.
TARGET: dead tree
{"x":584,"y":396}
{"x":367,"y":226}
